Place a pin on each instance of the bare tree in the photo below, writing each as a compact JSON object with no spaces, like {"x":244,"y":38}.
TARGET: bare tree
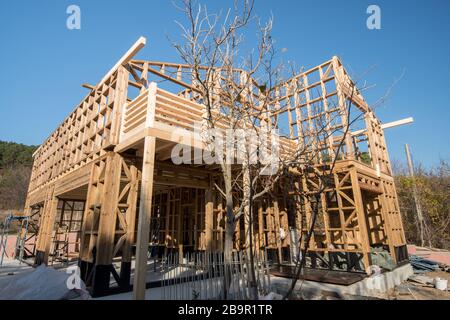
{"x":212,"y":45}
{"x":241,"y":90}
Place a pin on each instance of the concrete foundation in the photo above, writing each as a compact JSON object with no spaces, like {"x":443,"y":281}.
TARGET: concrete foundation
{"x":369,"y":287}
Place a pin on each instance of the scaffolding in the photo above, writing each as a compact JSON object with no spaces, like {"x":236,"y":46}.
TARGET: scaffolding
{"x":20,"y":235}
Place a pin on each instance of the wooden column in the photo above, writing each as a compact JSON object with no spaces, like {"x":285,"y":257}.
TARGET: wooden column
{"x":179,"y":231}
{"x":362,"y":224}
{"x":52,"y":208}
{"x":277,"y":231}
{"x":44,"y":240}
{"x":107,"y":222}
{"x":125,"y":269}
{"x":145,"y":212}
{"x":209,"y":216}
{"x":387,"y":214}
{"x":372,"y":147}
{"x":104,"y":244}
{"x":339,"y":78}
{"x":145,"y":204}
{"x":168,"y":215}
{"x":262,"y":239}
{"x":120,"y":98}
{"x":91,"y":211}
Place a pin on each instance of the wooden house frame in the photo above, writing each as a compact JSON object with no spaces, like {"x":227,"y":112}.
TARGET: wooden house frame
{"x":113,"y":153}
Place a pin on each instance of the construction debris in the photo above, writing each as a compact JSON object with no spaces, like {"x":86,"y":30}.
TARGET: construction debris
{"x":424,"y":280}
{"x":382,"y":258}
{"x":421,"y":265}
{"x":440,"y":256}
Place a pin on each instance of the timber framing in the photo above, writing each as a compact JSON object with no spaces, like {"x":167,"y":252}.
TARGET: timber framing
{"x":112,"y":153}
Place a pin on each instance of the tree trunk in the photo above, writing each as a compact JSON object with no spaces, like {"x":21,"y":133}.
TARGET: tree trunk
{"x":229,"y":233}
{"x":248,"y":222}
{"x":229,"y":221}
{"x":228,"y":246}
{"x":250,"y":257}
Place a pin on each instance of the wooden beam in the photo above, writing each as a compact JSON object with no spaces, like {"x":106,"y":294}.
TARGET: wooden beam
{"x":88,"y":86}
{"x":387,"y":125}
{"x":138,"y":45}
{"x":397,"y":123}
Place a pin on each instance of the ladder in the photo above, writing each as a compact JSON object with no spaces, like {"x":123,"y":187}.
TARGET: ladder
{"x":20,"y":239}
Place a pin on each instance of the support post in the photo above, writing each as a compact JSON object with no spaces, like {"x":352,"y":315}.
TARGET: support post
{"x":120,"y":99}
{"x":45,"y":232}
{"x":277,"y":231}
{"x":107,"y":225}
{"x":386,"y":214}
{"x":125,"y":269}
{"x":145,"y":212}
{"x":363,"y":231}
{"x":50,"y":225}
{"x":420,"y":222}
{"x":209,"y":212}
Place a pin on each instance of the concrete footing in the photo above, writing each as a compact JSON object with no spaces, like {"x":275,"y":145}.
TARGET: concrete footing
{"x":369,"y":287}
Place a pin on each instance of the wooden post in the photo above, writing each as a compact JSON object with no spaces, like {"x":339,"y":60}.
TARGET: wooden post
{"x":51,"y":216}
{"x":415,"y":196}
{"x":363,"y":231}
{"x":125,"y":269}
{"x":262,"y":238}
{"x":131,"y":214}
{"x":386,"y":214}
{"x":372,"y":146}
{"x":46,"y":227}
{"x":145,"y":211}
{"x":104,"y":245}
{"x":145,"y":204}
{"x":107,"y":222}
{"x":209,"y":212}
{"x":179,"y":233}
{"x":343,"y":106}
{"x":120,"y":98}
{"x":277,"y":231}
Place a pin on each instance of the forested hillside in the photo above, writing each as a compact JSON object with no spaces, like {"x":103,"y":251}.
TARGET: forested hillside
{"x":15,"y":169}
{"x":433,"y":188}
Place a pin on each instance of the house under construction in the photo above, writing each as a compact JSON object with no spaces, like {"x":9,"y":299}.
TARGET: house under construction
{"x":103,"y":185}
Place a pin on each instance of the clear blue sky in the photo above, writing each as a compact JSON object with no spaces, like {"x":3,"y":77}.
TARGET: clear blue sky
{"x":43,"y":63}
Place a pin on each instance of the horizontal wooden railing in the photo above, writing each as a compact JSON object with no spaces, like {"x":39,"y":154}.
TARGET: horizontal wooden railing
{"x":135,"y":114}
{"x":177,"y":111}
{"x":169,"y":109}
{"x":173,"y":111}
